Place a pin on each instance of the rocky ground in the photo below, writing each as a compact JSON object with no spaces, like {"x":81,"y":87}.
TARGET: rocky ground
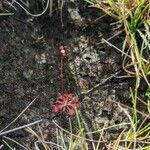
{"x":30,"y":67}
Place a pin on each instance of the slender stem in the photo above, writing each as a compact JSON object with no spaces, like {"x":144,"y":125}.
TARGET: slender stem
{"x":62,"y":76}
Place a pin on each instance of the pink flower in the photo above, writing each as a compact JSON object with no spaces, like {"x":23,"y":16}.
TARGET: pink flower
{"x":65,"y":102}
{"x":62,"y":50}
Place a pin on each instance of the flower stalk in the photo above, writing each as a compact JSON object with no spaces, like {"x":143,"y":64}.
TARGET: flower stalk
{"x":65,"y":101}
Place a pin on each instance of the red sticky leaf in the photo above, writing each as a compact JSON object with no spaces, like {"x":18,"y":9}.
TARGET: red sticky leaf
{"x":65,"y":102}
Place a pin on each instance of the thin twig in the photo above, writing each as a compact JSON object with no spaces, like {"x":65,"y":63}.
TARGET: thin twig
{"x":97,"y":19}
{"x":19,"y":115}
{"x":144,"y":103}
{"x":19,"y":128}
{"x":112,"y":37}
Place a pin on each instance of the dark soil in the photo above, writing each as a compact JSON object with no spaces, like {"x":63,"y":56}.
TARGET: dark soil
{"x":30,"y":67}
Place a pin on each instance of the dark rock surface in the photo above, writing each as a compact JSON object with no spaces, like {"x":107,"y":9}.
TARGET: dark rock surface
{"x":30,"y":66}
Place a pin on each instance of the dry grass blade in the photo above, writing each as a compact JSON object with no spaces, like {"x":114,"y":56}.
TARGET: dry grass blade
{"x":132,"y":124}
{"x":19,"y":115}
{"x":21,"y":127}
{"x":14,"y":141}
{"x":33,"y":15}
{"x":121,"y":50}
{"x":49,"y":143}
{"x":1,"y":146}
{"x":141,"y":113}
{"x":86,"y":139}
{"x":117,"y":141}
{"x":101,"y":83}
